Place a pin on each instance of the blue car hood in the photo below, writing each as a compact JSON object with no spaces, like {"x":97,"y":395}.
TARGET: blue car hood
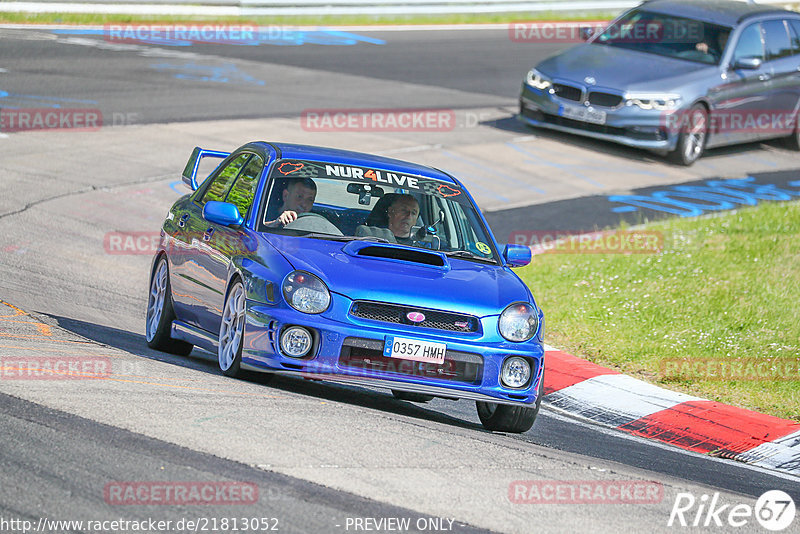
{"x":623,"y":69}
{"x":466,"y":286}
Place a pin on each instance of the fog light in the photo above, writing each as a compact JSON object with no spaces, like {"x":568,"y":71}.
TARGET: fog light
{"x":296,"y":341}
{"x":516,"y":372}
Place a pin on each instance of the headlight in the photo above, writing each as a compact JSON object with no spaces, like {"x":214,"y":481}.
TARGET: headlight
{"x":516,"y":372}
{"x":306,"y":293}
{"x":537,"y":80}
{"x":658,"y":102}
{"x":519,"y":322}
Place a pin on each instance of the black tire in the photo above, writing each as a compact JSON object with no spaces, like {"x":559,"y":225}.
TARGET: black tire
{"x":794,"y":139}
{"x":508,"y":418}
{"x":157,"y":332}
{"x":411,"y":397}
{"x":692,"y":137}
{"x":229,"y":349}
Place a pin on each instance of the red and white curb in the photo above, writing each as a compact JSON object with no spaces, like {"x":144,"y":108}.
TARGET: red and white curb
{"x":619,"y":401}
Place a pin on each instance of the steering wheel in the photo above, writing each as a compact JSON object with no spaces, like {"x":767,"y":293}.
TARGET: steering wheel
{"x":310,"y":222}
{"x":309,"y":214}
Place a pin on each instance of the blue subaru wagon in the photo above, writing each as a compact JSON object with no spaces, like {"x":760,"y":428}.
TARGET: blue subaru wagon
{"x":342,"y":266}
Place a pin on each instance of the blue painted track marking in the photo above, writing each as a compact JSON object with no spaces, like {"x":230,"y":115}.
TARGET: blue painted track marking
{"x":714,"y":195}
{"x":540,"y":160}
{"x":38,"y":100}
{"x":475,"y":185}
{"x":503,"y":176}
{"x":173,"y":186}
{"x":227,"y":73}
{"x":277,"y":36}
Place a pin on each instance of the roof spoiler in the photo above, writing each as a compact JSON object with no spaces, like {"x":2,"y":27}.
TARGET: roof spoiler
{"x":190,"y":171}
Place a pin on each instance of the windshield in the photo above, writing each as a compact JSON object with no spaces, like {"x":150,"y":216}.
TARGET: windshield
{"x":344,"y":202}
{"x":667,"y":35}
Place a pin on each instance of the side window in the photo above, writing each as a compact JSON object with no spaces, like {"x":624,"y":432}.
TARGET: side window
{"x":777,"y":40}
{"x":222,"y":182}
{"x":794,"y":26}
{"x":749,"y":45}
{"x":244,"y":189}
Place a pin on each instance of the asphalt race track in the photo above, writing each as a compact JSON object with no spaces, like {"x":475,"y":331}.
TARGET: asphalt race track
{"x":324,"y":458}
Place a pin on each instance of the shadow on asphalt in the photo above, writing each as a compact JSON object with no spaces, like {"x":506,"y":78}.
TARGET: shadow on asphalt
{"x":512,"y":124}
{"x":205,"y":362}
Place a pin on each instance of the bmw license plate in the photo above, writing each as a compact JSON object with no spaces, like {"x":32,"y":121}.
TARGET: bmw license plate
{"x":581,"y":113}
{"x":413,"y":349}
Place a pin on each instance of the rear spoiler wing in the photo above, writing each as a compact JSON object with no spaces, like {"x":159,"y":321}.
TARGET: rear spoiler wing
{"x":190,"y":171}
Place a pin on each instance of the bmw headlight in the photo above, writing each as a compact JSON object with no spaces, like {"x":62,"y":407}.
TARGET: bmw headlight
{"x":519,"y":322}
{"x":535,"y":79}
{"x":306,"y":293}
{"x":660,"y":102}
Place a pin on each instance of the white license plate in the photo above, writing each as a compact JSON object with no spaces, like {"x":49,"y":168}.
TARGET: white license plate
{"x":583,"y":114}
{"x":414,"y":349}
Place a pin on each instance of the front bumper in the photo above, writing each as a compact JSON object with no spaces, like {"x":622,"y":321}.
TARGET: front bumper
{"x":626,"y":125}
{"x":349,"y":350}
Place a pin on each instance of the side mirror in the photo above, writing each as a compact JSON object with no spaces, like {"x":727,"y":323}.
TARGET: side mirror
{"x":517,"y":255}
{"x":587,"y":33}
{"x":747,"y":63}
{"x":222,"y":213}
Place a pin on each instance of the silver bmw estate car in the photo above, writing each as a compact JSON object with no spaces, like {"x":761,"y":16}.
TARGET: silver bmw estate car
{"x":676,"y":77}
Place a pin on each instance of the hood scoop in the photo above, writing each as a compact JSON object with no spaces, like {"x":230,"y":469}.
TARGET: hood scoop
{"x":396,"y":253}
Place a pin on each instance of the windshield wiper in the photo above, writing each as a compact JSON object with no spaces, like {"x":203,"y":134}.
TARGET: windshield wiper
{"x":466,"y":254}
{"x":371,"y":238}
{"x":316,"y":235}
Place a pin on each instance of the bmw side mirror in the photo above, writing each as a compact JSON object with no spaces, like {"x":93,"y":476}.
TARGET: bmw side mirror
{"x":747,"y":63}
{"x":517,"y":255}
{"x":222,"y":213}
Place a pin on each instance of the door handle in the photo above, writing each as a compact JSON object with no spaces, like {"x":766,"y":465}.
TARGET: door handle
{"x":764,"y":77}
{"x":183,"y":219}
{"x":208,"y":233}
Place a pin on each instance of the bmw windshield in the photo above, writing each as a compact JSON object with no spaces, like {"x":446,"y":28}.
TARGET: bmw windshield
{"x":667,"y":35}
{"x":346,"y":202}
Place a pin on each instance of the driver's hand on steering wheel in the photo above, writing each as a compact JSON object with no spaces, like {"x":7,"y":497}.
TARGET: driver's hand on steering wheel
{"x":286,"y":217}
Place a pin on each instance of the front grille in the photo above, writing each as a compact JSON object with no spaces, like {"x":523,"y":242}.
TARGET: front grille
{"x":367,"y":355}
{"x":394,"y":313}
{"x":607,"y":100}
{"x":568,"y":92}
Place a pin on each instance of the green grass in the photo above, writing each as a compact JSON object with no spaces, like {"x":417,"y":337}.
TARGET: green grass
{"x":327,"y":20}
{"x":725,"y":288}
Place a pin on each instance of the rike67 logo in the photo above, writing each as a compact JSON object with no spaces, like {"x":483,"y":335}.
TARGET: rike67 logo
{"x":774,"y":510}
